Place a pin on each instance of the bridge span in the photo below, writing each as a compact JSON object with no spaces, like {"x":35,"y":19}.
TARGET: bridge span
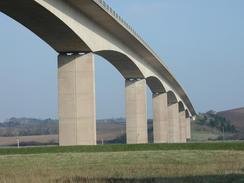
{"x":79,"y":29}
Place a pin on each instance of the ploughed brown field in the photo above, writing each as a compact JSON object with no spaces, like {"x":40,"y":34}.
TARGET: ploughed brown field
{"x":105,"y":132}
{"x":38,"y":139}
{"x":236,"y":116}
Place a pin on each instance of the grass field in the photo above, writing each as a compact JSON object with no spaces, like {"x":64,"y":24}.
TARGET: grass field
{"x":175,"y":163}
{"x":237,"y":145}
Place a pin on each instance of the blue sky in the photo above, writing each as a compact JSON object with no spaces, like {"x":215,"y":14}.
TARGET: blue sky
{"x":200,"y":41}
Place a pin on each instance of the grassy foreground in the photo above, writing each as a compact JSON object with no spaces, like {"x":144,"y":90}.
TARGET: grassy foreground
{"x":192,"y":163}
{"x":238,"y":145}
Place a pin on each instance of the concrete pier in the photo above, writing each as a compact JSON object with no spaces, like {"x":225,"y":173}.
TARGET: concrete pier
{"x":160,"y":118}
{"x":77,"y":110}
{"x":136,"y":111}
{"x":182,"y":120}
{"x":174,"y":127}
{"x":188,"y":128}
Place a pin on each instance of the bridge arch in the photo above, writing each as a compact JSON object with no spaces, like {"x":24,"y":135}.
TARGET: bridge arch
{"x":155,"y":85}
{"x":122,"y":63}
{"x":54,"y":29}
{"x":45,"y":25}
{"x":187,"y":113}
{"x":171,"y":98}
{"x":181,"y":106}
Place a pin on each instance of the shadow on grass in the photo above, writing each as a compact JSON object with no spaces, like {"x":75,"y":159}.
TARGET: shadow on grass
{"x":192,"y":179}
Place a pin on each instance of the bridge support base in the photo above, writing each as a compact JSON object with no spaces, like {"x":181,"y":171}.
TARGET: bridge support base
{"x":77,"y":110}
{"x":182,"y":120}
{"x":174,"y":126}
{"x":188,"y":128}
{"x":160,"y":118}
{"x":136,"y":111}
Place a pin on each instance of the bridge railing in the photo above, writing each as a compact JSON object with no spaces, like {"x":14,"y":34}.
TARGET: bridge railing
{"x":108,"y":9}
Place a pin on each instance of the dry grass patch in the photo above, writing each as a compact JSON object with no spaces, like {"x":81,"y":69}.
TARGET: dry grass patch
{"x":126,"y":165}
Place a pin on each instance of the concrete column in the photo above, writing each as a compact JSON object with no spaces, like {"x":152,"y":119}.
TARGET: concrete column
{"x":182,"y":119}
{"x":188,"y":128}
{"x":160,"y":118}
{"x":174,"y":127}
{"x":136,"y":111}
{"x":77,"y":109}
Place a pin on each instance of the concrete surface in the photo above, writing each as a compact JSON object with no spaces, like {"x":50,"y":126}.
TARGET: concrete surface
{"x":188,"y":128}
{"x":160,"y":118}
{"x":174,"y":126}
{"x":182,"y":120}
{"x":136,"y":111}
{"x":77,"y":109}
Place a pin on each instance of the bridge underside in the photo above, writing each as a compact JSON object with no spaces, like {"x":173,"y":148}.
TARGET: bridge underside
{"x":47,"y":26}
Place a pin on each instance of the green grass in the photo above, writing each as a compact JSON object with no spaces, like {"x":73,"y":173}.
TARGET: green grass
{"x":153,"y":166}
{"x":118,"y":148}
{"x":152,"y":163}
{"x":199,"y":136}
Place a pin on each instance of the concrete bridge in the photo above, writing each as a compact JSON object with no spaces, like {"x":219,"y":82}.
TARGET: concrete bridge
{"x":78,"y":29}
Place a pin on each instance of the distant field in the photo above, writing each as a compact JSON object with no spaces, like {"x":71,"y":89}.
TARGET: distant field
{"x":204,"y":136}
{"x":33,"y":140}
{"x":129,"y":164}
{"x":105,"y":132}
{"x":109,"y":131}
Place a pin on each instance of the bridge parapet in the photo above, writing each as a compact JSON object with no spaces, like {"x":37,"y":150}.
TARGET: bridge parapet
{"x":127,"y":26}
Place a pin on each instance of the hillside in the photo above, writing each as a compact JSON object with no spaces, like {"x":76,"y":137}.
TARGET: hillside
{"x":211,"y":126}
{"x":28,"y":126}
{"x":236,"y":116}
